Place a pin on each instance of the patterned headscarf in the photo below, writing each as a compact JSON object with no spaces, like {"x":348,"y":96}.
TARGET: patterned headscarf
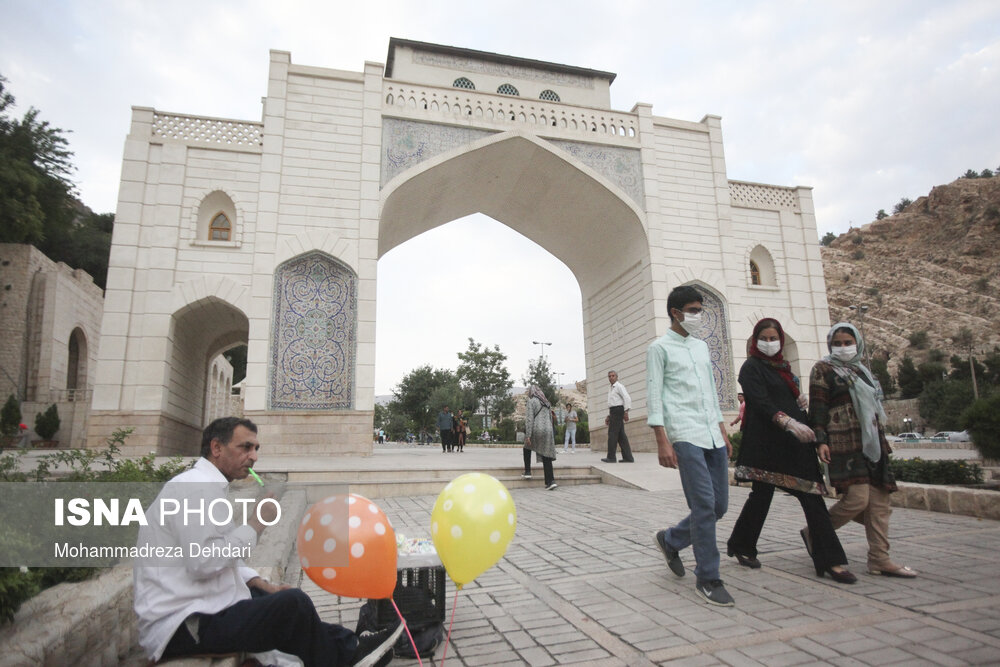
{"x":866,"y":392}
{"x":535,"y":392}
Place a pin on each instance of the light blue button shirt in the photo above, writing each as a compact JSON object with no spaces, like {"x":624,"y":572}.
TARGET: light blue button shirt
{"x":679,"y":372}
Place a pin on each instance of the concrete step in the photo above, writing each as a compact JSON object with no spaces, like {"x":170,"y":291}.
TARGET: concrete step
{"x":394,"y":483}
{"x":367,"y":475}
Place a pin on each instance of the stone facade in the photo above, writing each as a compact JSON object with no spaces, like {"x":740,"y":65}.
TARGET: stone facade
{"x":49,"y":337}
{"x":344,"y":166}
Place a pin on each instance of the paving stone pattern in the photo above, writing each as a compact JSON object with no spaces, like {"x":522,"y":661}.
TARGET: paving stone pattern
{"x":583,"y":584}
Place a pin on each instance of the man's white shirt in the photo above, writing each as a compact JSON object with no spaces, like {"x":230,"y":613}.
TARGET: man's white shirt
{"x":166,"y":595}
{"x":617,"y":395}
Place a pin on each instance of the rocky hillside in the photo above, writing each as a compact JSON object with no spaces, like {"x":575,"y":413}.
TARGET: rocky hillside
{"x":934,"y":267}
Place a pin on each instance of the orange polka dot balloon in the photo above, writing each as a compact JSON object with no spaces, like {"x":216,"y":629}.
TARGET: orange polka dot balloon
{"x":348,"y":547}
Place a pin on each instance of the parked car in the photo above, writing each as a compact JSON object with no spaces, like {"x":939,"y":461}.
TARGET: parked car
{"x":960,"y":436}
{"x":943,"y":435}
{"x":908,"y":436}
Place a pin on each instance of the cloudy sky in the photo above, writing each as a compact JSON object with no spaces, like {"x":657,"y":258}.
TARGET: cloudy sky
{"x":866,"y":102}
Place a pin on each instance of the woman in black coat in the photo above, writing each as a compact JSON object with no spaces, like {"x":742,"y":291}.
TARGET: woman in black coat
{"x":778,"y":450}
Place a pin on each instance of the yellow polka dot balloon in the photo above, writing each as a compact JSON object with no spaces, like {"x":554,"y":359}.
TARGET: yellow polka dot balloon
{"x":472,"y":523}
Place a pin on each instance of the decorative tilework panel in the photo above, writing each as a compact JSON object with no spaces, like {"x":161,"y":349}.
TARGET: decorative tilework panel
{"x":621,"y":166}
{"x":406,"y":143}
{"x":313,"y":339}
{"x":715,"y":332}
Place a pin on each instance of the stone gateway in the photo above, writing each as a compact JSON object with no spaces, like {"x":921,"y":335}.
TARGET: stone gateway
{"x":267,"y":233}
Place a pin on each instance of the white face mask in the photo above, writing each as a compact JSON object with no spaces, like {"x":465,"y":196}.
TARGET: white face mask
{"x":769,"y":347}
{"x":691,"y":323}
{"x":844,"y":353}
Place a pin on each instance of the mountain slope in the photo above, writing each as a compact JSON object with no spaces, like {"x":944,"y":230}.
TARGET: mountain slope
{"x":934,"y":267}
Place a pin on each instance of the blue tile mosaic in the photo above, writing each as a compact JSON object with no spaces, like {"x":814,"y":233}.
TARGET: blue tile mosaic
{"x":313,"y":340}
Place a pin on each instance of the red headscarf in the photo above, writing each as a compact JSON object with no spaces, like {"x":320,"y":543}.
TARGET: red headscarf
{"x":777,"y":362}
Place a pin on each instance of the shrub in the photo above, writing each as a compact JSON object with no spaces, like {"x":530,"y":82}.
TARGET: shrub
{"x":10,"y":417}
{"x":982,"y":420}
{"x":828,"y":238}
{"x":47,"y":423}
{"x":936,"y":472}
{"x":582,"y":433}
{"x":16,"y":586}
{"x":918,"y":339}
{"x":858,"y":254}
{"x":735,"y":439}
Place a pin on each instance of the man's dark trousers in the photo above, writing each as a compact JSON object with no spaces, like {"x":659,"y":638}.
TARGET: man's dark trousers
{"x":616,"y":434}
{"x":446,"y":440}
{"x":285,"y":621}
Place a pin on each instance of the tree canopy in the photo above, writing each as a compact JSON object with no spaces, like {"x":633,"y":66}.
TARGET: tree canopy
{"x":37,"y":196}
{"x":483,"y":374}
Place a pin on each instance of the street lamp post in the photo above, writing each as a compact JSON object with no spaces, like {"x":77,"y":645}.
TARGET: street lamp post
{"x":542,"y":345}
{"x":861,"y":310}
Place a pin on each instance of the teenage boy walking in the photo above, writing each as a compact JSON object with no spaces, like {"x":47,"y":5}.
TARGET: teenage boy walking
{"x":691,"y":436}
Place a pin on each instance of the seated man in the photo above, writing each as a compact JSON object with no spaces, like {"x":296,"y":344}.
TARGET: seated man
{"x":213,"y":604}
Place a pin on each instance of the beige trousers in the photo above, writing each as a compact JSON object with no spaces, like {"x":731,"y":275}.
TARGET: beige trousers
{"x":868,"y":505}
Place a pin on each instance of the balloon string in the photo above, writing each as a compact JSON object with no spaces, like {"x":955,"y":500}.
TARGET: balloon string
{"x":407,"y":628}
{"x":447,"y":639}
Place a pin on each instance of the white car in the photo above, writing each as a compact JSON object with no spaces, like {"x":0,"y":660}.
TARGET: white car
{"x":908,"y":436}
{"x":960,"y":436}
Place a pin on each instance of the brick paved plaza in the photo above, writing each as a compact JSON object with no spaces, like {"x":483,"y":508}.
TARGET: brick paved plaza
{"x":582,"y":583}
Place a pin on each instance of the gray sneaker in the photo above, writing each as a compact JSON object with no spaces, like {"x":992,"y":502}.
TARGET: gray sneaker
{"x":715,"y":593}
{"x":673,"y":558}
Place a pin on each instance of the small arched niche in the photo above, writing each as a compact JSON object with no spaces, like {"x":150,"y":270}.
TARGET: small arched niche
{"x":217,"y":221}
{"x":760,"y":268}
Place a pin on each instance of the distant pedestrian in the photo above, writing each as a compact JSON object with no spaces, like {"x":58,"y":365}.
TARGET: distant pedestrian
{"x":538,"y":435}
{"x":571,"y":420}
{"x":845,"y":411}
{"x":619,"y":403}
{"x":740,"y":416}
{"x":445,"y":425}
{"x":461,"y":430}
{"x":683,"y":409}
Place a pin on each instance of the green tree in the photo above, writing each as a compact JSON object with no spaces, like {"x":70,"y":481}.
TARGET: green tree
{"x":47,"y":423}
{"x":10,"y":416}
{"x":880,"y":369}
{"x":483,"y":374}
{"x":970,"y":173}
{"x":540,"y":373}
{"x":881,"y":215}
{"x":89,"y":248}
{"x":910,"y":382}
{"x":982,"y":420}
{"x":931,"y":371}
{"x":986,"y":173}
{"x":943,"y":402}
{"x":36,"y":194}
{"x":415,"y":399}
{"x":901,"y":205}
{"x":828,"y":238}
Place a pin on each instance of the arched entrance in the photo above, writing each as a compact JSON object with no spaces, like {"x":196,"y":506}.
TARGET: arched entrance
{"x":200,"y":332}
{"x":548,"y":196}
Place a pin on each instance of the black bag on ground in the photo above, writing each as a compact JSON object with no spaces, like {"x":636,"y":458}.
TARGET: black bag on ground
{"x":427,"y":636}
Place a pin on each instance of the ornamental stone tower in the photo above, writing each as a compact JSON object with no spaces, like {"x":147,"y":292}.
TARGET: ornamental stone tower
{"x":267,"y":233}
